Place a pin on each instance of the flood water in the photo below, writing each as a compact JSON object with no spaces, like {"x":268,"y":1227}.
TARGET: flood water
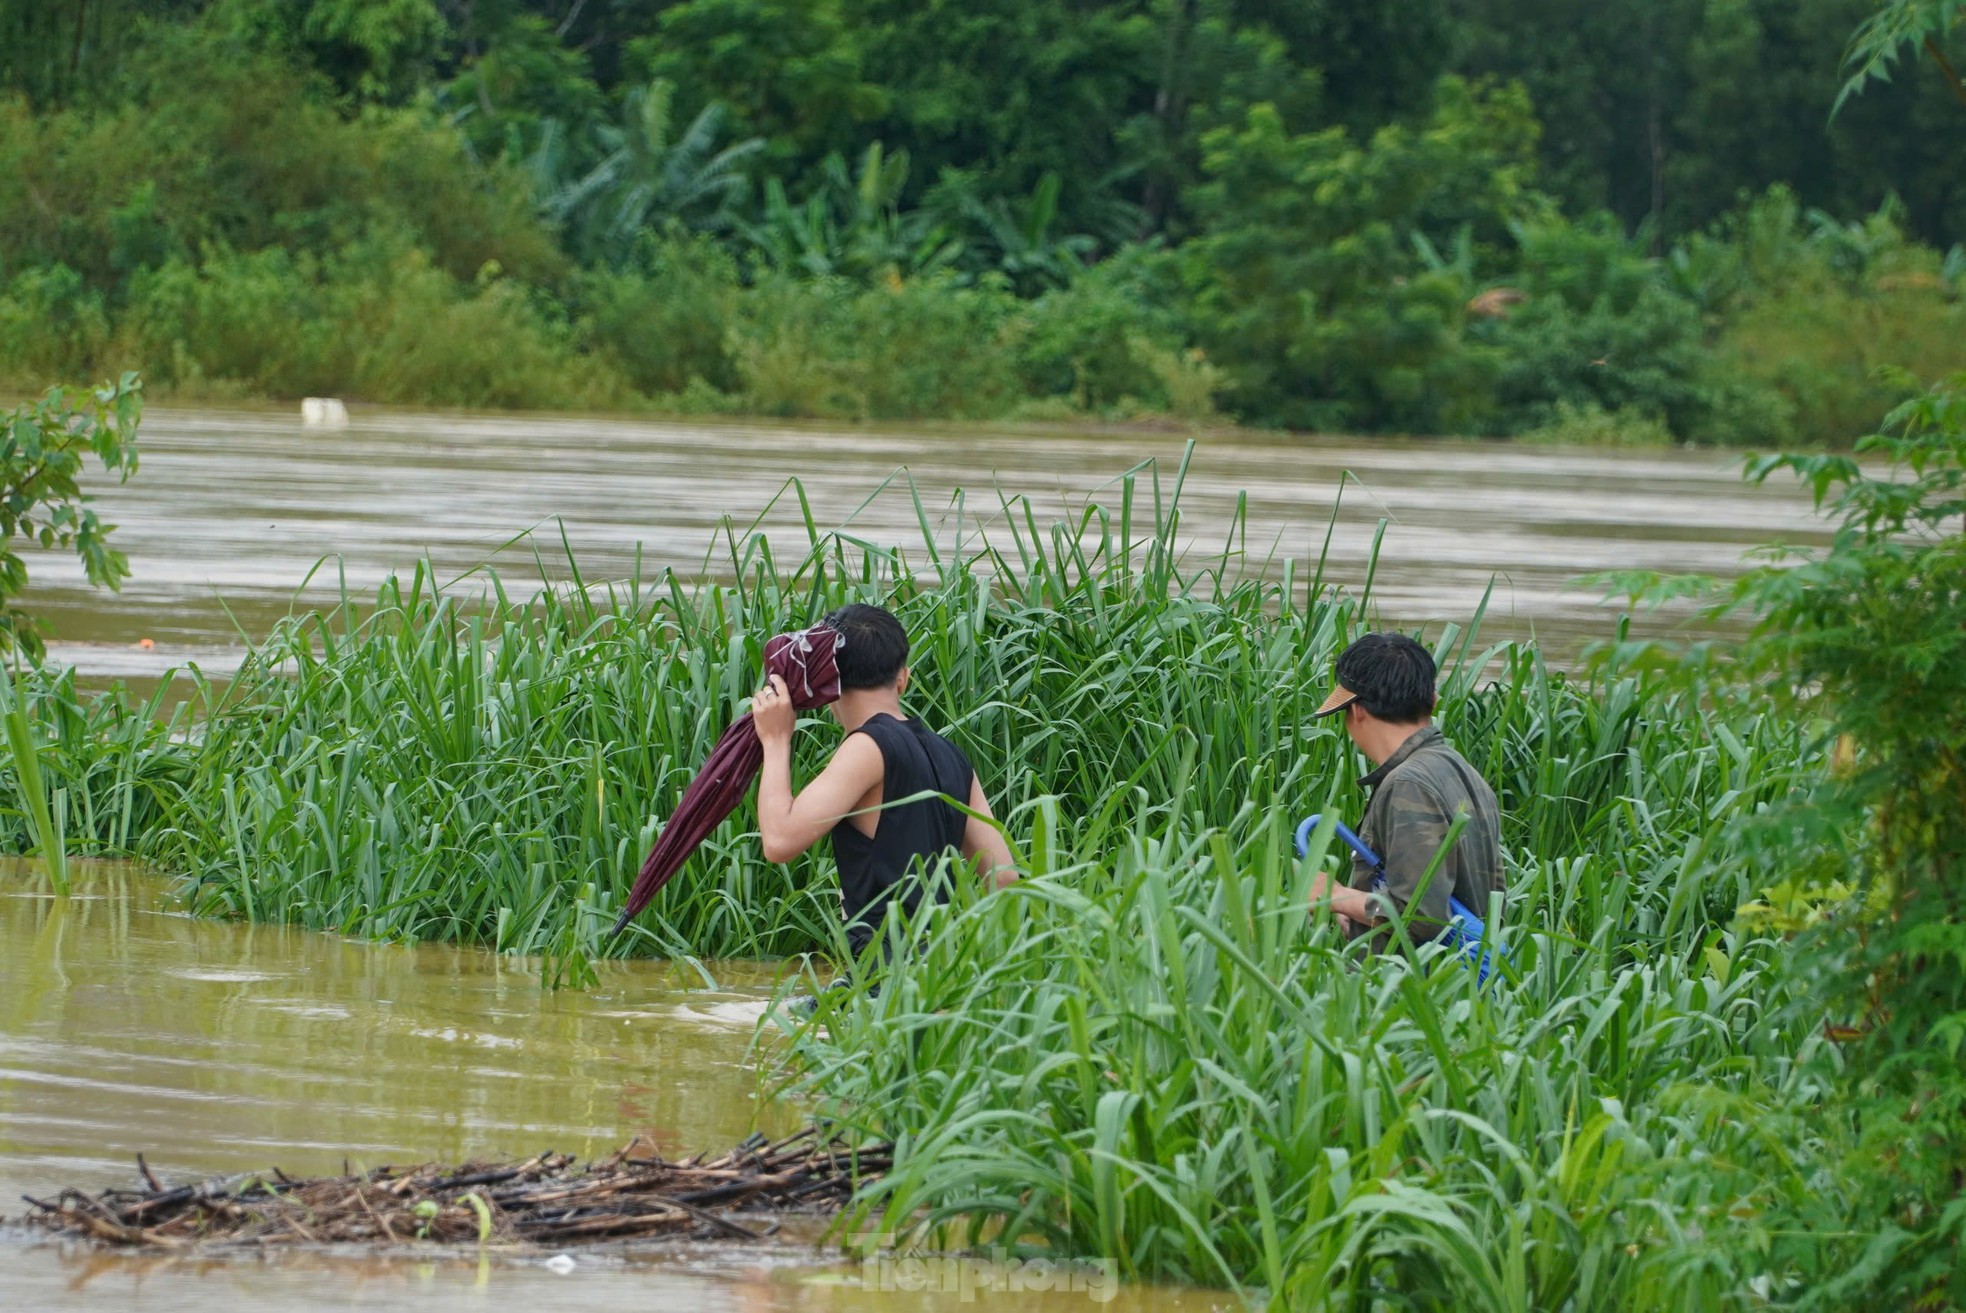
{"x":231,"y":510}
{"x":126,"y":1026}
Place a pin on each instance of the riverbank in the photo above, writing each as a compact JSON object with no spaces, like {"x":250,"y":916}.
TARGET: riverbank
{"x":1800,"y":354}
{"x":1594,"y":430}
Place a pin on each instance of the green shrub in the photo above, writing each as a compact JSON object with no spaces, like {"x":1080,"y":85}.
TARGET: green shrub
{"x":1871,"y":636}
{"x":1571,"y":425}
{"x":1309,"y":287}
{"x":419,"y":177}
{"x":1598,"y":328}
{"x":666,"y":323}
{"x":1111,"y":339}
{"x":376,"y":321}
{"x":42,"y":448}
{"x":51,"y":326}
{"x":237,"y":151}
{"x":430,"y":340}
{"x":928,"y":347}
{"x":1189,"y":384}
{"x":1816,"y":347}
{"x":924,"y":347}
{"x":236,"y":323}
{"x":1804,"y":313}
{"x":795,"y":356}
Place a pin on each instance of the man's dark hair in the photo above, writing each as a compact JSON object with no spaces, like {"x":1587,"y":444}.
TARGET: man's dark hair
{"x":1392,"y":675}
{"x":875,"y":646}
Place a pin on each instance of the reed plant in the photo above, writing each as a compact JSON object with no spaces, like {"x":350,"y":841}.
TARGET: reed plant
{"x":40,"y":818}
{"x":467,"y":762}
{"x":114,"y":759}
{"x":1152,"y":1052}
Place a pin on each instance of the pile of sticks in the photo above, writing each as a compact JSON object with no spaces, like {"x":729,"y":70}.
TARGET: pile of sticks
{"x":545,"y":1200}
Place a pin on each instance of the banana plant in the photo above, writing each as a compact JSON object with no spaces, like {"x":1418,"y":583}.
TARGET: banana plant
{"x":645,"y":175}
{"x":1017,"y":240}
{"x":852,"y":224}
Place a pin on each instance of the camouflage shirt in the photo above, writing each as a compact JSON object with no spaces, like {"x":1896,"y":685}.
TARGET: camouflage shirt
{"x":1416,"y":795}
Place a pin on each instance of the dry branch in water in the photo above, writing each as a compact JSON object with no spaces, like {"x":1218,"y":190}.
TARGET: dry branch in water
{"x":546,"y":1200}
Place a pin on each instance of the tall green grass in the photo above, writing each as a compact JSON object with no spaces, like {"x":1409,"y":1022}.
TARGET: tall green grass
{"x":25,"y":757}
{"x":471,"y":763}
{"x":1149,"y":1051}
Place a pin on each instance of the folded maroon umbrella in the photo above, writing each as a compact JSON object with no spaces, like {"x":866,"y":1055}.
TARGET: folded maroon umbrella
{"x":805,"y":661}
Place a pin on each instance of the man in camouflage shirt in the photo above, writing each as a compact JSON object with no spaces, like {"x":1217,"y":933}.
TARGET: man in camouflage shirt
{"x":1385,"y":692}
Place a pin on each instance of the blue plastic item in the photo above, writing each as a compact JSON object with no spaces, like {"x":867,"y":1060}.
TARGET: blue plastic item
{"x":1464,"y":930}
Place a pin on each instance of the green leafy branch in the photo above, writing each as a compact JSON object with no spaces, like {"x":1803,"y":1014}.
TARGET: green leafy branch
{"x":42,"y":446}
{"x":1901,"y":25}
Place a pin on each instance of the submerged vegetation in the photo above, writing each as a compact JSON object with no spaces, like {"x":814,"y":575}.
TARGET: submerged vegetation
{"x":854,"y":209}
{"x":477,"y":765}
{"x":1153,"y":1054}
{"x":1147,"y":1050}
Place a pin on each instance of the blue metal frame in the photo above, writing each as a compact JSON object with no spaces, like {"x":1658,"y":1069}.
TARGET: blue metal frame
{"x":1464,"y":930}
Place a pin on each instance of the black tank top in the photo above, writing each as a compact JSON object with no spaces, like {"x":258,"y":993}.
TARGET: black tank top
{"x":876,"y":872}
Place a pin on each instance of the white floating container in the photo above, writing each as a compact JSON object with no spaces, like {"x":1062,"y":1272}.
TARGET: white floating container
{"x":325,"y":411}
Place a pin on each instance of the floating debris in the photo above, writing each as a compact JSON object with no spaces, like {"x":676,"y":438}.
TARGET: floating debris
{"x":545,"y":1200}
{"x":326,"y":411}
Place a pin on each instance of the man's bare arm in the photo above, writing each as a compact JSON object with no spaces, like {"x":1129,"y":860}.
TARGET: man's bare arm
{"x":983,"y":844}
{"x":789,"y":824}
{"x":1350,"y":904}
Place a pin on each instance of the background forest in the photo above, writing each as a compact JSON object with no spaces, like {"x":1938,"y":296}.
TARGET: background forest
{"x":1619,"y":221}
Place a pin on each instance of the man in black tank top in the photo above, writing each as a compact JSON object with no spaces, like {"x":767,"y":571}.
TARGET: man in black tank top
{"x":885,"y":836}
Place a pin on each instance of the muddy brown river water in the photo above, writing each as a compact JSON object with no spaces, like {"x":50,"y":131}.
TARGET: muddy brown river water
{"x":231,"y":510}
{"x":126,"y":1026}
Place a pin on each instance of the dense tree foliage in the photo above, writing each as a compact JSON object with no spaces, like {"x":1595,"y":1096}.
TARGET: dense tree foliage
{"x":1659,"y":109}
{"x":1480,"y":215}
{"x":1876,"y":628}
